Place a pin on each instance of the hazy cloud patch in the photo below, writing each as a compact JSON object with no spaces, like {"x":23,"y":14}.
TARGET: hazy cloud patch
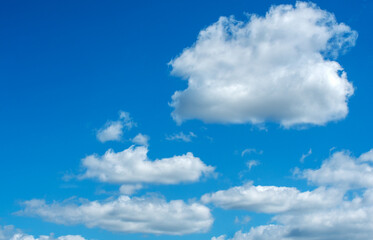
{"x":181,"y":137}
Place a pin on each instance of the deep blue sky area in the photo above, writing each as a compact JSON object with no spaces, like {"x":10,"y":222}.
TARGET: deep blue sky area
{"x":68,"y":67}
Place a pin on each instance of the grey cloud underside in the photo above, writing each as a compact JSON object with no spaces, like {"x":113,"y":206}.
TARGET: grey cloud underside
{"x":270,"y":68}
{"x":339,"y":208}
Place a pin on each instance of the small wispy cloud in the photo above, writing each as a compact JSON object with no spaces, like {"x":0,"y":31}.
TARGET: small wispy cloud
{"x":252,"y":163}
{"x":113,"y":130}
{"x":129,"y":189}
{"x":127,"y":120}
{"x":304,"y":156}
{"x":243,"y":220}
{"x":141,"y":139}
{"x":251,"y":150}
{"x":181,"y":137}
{"x":331,"y":150}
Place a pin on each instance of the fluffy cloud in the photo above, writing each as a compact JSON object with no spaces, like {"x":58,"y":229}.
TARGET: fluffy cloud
{"x":343,"y":170}
{"x":272,"y":68}
{"x":9,"y":233}
{"x":141,"y":139}
{"x":367,"y":157}
{"x":333,"y":211}
{"x":125,"y":214}
{"x":113,"y":130}
{"x":272,"y":199}
{"x":133,"y":166}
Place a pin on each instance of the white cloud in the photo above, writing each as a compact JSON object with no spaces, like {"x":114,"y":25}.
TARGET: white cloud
{"x":126,"y":119}
{"x":133,"y":166}
{"x":129,"y":189}
{"x":125,"y":214}
{"x":244,"y":220}
{"x":304,"y":156}
{"x":333,"y":211}
{"x":9,"y":233}
{"x":21,"y":236}
{"x":252,"y":163}
{"x":141,"y":139}
{"x":367,"y":157}
{"x":181,"y":136}
{"x":342,"y":170}
{"x":113,"y":130}
{"x":222,"y":237}
{"x":272,"y":199}
{"x":251,"y":150}
{"x":267,"y":232}
{"x":349,"y":220}
{"x":271,"y":68}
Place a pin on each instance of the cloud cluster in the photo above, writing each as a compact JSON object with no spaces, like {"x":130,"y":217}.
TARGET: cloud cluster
{"x":273,"y":68}
{"x":132,"y":169}
{"x":113,"y":130}
{"x":340,"y":208}
{"x":280,"y":68}
{"x":125,"y":214}
{"x":133,"y":166}
{"x":9,"y":233}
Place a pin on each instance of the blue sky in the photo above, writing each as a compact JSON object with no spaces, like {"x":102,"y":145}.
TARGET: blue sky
{"x":254,"y":93}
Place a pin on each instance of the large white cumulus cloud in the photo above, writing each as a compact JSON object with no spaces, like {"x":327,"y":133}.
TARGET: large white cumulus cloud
{"x":272,"y":68}
{"x":126,"y":214}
